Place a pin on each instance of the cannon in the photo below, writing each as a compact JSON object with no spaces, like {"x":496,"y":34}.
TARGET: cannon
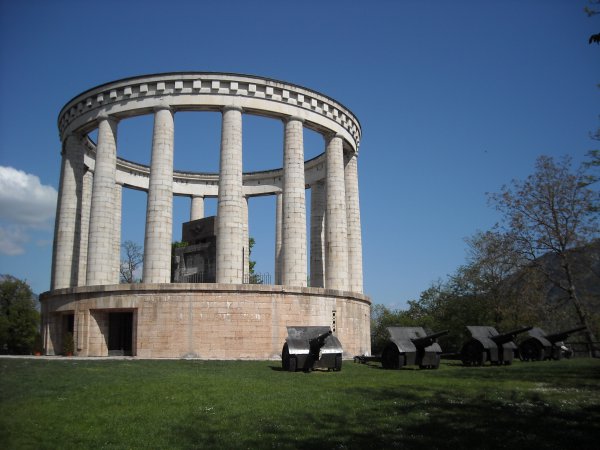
{"x":411,"y":346}
{"x":541,"y":346}
{"x":311,"y":347}
{"x":486,"y":344}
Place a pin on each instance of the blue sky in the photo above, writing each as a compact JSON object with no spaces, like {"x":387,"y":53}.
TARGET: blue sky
{"x":454,"y":98}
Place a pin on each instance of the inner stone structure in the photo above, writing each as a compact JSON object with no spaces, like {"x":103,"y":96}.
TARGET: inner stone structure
{"x":226,"y":319}
{"x":196,"y":262}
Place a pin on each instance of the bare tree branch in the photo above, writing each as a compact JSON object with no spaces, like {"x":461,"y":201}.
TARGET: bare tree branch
{"x":134,"y":257}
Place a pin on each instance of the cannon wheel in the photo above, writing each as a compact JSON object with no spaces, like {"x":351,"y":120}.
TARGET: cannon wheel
{"x":473,"y":354}
{"x":531,"y":350}
{"x":292,"y":364}
{"x":390,"y":358}
{"x":338,"y":362}
{"x":287,"y":362}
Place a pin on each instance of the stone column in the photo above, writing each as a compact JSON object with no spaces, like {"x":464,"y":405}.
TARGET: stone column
{"x":355,"y":272}
{"x":294,"y":206}
{"x":246,"y":239}
{"x":197,"y":209}
{"x":65,"y":257}
{"x":317,"y":234}
{"x":117,"y":231}
{"x":159,"y":212}
{"x":336,"y":257}
{"x":86,"y":200}
{"x":278,"y":213}
{"x":100,"y":267}
{"x":229,"y":204}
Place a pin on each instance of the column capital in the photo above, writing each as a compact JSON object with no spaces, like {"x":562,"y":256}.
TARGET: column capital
{"x":105,"y":116}
{"x":232,"y":108}
{"x":329,"y":136}
{"x":162,"y":106}
{"x":293,"y":118}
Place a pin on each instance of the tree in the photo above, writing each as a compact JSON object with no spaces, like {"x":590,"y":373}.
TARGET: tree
{"x":19,"y":320}
{"x":592,"y":12}
{"x":134,"y":257}
{"x":253,"y":277}
{"x":551,"y":211}
{"x":592,"y":166}
{"x":381,"y":318}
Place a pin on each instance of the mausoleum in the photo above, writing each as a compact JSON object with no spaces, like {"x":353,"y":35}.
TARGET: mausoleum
{"x":222,"y":316}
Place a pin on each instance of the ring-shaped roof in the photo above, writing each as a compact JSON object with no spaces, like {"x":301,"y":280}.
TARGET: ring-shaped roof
{"x":207,"y":91}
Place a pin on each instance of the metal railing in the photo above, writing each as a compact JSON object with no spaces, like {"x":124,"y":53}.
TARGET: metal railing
{"x":210,"y":277}
{"x":257,"y":278}
{"x":199,"y":277}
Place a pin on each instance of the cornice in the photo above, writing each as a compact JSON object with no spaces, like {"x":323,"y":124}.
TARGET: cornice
{"x":209,"y":91}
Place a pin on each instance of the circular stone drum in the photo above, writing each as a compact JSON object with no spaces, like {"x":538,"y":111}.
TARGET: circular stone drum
{"x":228,"y":319}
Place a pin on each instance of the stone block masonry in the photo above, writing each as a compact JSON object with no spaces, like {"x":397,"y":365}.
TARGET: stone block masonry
{"x":229,"y":319}
{"x":190,"y":320}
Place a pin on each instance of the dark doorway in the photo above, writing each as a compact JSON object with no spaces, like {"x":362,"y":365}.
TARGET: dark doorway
{"x":120,"y":333}
{"x":68,"y":324}
{"x":67,"y":342}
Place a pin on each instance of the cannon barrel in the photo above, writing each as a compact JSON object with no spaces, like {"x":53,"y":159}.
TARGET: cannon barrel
{"x":507,"y":337}
{"x":319,"y":341}
{"x":426,"y":341}
{"x":561,"y":336}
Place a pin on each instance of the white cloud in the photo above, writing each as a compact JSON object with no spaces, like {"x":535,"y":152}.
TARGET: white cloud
{"x":25,"y":205}
{"x":24,"y":200}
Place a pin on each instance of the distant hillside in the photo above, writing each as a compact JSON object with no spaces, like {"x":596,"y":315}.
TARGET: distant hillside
{"x":559,"y":313}
{"x":585,"y":262}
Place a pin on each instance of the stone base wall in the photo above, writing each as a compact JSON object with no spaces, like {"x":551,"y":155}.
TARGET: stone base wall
{"x":211,"y":321}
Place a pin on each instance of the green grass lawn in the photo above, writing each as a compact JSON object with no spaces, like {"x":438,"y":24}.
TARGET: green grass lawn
{"x":120,"y":404}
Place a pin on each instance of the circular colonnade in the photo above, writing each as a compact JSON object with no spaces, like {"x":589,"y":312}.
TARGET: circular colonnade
{"x":227,"y":319}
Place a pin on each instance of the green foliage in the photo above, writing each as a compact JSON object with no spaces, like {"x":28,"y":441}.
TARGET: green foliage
{"x":476,"y":294}
{"x":68,"y":344}
{"x":547,"y":244}
{"x":252,"y":276}
{"x":251,"y":263}
{"x":381,"y":318}
{"x":38,"y":344}
{"x":19,"y":320}
{"x":451,"y":306}
{"x":121,"y":404}
{"x":179,"y":244}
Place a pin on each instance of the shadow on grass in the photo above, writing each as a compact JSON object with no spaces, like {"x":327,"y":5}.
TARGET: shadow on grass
{"x":560,"y":374}
{"x":390,"y":418}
